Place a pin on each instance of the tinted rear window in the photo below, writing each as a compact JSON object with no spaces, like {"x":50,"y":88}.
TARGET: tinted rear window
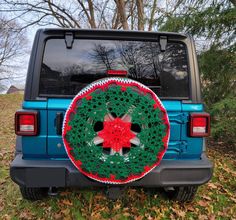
{"x":66,"y":71}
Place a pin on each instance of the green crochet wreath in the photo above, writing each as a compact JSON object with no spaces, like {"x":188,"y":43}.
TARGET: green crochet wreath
{"x":116,"y":130}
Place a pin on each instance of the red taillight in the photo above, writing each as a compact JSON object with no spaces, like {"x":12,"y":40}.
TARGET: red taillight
{"x":26,"y":123}
{"x":199,"y":125}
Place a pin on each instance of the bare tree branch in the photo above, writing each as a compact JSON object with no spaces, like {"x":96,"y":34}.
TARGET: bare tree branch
{"x":12,"y":44}
{"x":90,"y":16}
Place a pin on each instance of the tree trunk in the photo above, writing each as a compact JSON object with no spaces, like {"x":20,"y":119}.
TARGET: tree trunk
{"x":121,"y":11}
{"x":132,"y":8}
{"x":140,"y":9}
{"x":91,"y":10}
{"x":151,"y":21}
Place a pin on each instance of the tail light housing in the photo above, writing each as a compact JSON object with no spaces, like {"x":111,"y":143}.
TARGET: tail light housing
{"x":199,"y":125}
{"x":26,"y":123}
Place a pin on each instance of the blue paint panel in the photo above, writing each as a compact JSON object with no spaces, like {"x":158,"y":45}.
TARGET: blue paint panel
{"x":175,"y":125}
{"x":182,"y":146}
{"x":34,"y":105}
{"x":173,"y":109}
{"x":56,"y":147}
{"x":35,"y":146}
{"x":173,"y":151}
{"x":55,"y":144}
{"x":175,"y":131}
{"x":58,"y":104}
{"x":192,"y":107}
{"x":172,"y":106}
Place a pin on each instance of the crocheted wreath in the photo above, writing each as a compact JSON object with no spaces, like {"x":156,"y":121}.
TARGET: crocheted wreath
{"x":116,"y":130}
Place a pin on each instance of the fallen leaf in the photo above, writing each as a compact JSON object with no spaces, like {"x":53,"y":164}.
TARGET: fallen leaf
{"x":149,"y":217}
{"x":212,"y":185}
{"x":99,"y":197}
{"x":206,"y":198}
{"x":233,"y":199}
{"x":179,"y":213}
{"x":66,"y":193}
{"x":1,"y":208}
{"x":96,"y":215}
{"x":190,"y":208}
{"x":116,"y":207}
{"x":212,"y":217}
{"x":66,"y":212}
{"x":202,"y":203}
{"x":6,"y":217}
{"x":202,"y":217}
{"x":58,"y":216}
{"x":139,"y":217}
{"x":66,"y":202}
{"x":126,"y":214}
{"x":26,"y":214}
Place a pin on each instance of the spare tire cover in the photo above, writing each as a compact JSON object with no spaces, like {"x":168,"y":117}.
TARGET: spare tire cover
{"x":116,"y":130}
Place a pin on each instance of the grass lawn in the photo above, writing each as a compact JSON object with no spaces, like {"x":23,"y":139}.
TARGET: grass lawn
{"x":215,"y":200}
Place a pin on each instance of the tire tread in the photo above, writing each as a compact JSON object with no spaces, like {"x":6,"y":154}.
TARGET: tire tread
{"x":183,"y":194}
{"x":33,"y":193}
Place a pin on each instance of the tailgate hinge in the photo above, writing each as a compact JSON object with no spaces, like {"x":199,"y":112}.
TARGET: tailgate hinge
{"x":183,"y":146}
{"x":184,"y":117}
{"x":178,"y":146}
{"x":180,"y":118}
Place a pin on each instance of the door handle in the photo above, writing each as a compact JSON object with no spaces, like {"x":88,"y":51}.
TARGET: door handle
{"x":59,"y":121}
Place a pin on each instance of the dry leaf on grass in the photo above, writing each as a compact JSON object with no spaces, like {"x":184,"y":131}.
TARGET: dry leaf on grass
{"x":58,"y":216}
{"x":66,"y":202}
{"x":212,"y":185}
{"x":179,"y":212}
{"x":233,"y":199}
{"x":203,"y":203}
{"x":139,"y":217}
{"x":202,"y":217}
{"x":65,"y":193}
{"x":26,"y":214}
{"x":206,"y":198}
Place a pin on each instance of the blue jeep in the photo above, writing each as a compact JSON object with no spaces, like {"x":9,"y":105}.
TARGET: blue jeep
{"x":147,"y":130}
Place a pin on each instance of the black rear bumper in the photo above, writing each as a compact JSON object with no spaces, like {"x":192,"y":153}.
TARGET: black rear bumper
{"x":62,"y":173}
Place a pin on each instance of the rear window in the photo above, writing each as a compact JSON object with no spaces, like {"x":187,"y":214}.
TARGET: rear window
{"x":66,"y":71}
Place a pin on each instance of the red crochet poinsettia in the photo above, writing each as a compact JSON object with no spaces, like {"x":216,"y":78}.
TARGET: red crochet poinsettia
{"x":116,"y":134}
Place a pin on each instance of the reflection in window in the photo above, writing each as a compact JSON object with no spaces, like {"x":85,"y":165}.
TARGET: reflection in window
{"x":66,"y":71}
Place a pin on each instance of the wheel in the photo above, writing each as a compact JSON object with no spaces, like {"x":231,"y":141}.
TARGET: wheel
{"x":33,"y":193}
{"x":182,"y":194}
{"x":116,"y":130}
{"x":115,"y":192}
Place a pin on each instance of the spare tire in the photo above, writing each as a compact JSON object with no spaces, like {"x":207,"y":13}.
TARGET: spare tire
{"x":116,"y":130}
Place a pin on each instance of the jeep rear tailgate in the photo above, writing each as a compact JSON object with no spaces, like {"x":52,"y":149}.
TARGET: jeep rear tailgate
{"x":180,"y":144}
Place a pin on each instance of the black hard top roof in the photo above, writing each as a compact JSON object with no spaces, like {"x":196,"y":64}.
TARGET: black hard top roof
{"x":104,"y":32}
